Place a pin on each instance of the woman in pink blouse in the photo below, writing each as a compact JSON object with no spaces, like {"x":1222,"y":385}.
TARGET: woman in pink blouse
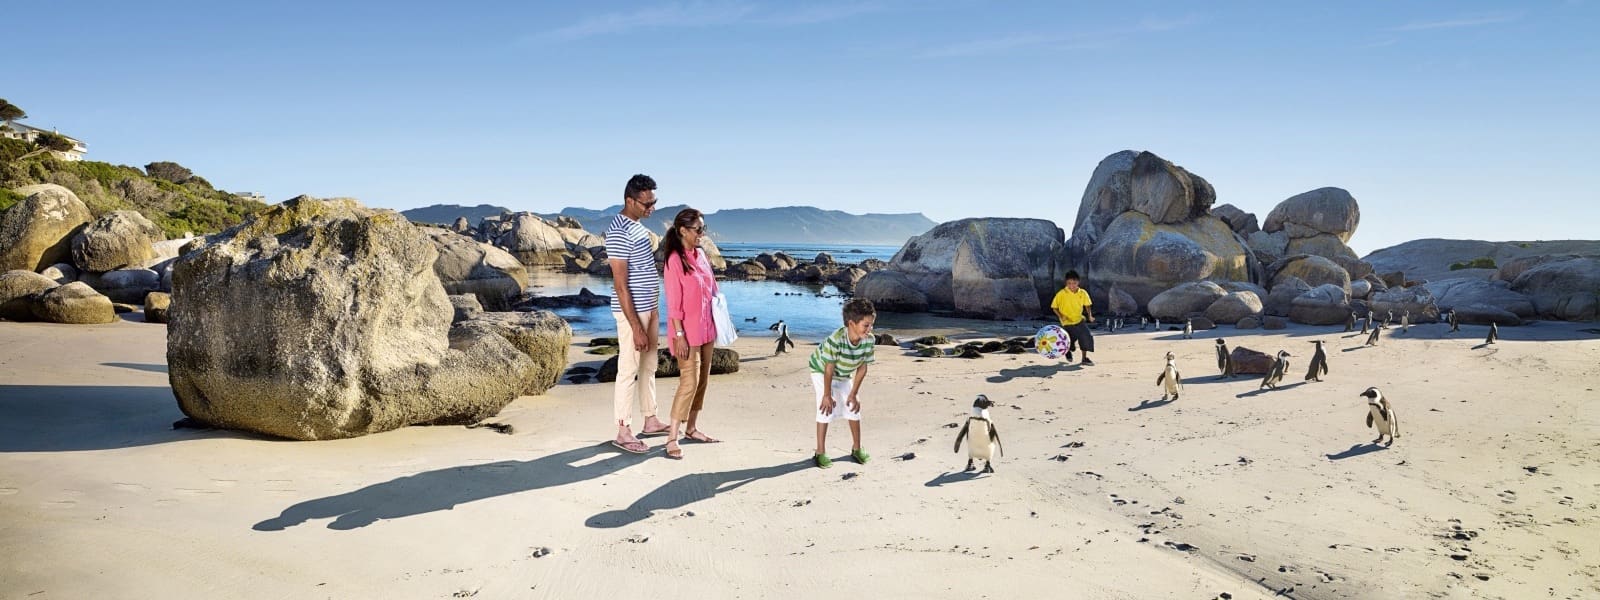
{"x":689,"y":285}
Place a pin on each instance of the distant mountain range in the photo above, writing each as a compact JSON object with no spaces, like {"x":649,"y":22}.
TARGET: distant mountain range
{"x":787,"y":225}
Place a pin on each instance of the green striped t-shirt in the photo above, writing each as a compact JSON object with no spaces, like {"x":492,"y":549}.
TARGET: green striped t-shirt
{"x":844,"y":356}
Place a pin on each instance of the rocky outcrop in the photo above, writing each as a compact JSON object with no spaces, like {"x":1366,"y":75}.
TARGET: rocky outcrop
{"x":1314,"y":270}
{"x":1143,"y":226}
{"x":533,"y":240}
{"x":1326,"y":304}
{"x":776,"y":261}
{"x":824,"y":259}
{"x":466,"y":266}
{"x":1241,"y":222}
{"x":892,"y":291}
{"x":461,"y":226}
{"x":748,"y":270}
{"x":1328,"y":210}
{"x":117,"y":240}
{"x":1431,"y":259}
{"x":37,"y":232}
{"x":1564,"y":289}
{"x":18,"y":291}
{"x":541,"y":335}
{"x":1415,"y":299}
{"x":1186,"y":299}
{"x":982,"y":268}
{"x":1481,"y":302}
{"x":126,"y":285}
{"x":1121,"y":303}
{"x":156,"y":307}
{"x":75,"y":303}
{"x":1283,"y":294}
{"x":1234,"y":306}
{"x":61,"y":273}
{"x":466,"y":306}
{"x":322,"y":319}
{"x":1249,"y":362}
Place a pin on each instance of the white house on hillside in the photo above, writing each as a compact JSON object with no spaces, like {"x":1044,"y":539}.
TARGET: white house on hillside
{"x":18,"y":131}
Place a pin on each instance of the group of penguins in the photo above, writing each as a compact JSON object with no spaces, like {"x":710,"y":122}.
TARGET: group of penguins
{"x":1380,"y":414}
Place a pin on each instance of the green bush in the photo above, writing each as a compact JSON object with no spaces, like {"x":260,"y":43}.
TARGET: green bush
{"x":193,"y":206}
{"x":10,"y":149}
{"x":1476,"y":263}
{"x":8,"y":198}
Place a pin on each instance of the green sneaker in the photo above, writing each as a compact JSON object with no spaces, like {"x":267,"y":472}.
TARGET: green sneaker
{"x":860,"y":455}
{"x":822,"y":461}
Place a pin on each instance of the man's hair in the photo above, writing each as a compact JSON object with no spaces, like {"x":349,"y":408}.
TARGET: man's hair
{"x":1071,"y":275}
{"x":638,"y":184}
{"x":857,"y":309}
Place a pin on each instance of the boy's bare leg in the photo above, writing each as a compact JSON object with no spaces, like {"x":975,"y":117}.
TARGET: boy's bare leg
{"x":822,"y":438}
{"x":855,"y":435}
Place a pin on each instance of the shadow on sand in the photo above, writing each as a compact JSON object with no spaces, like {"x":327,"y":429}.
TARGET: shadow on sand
{"x":445,"y":489}
{"x":57,"y":418}
{"x":687,"y":490}
{"x":1149,"y":404}
{"x":1361,"y":347}
{"x":1040,"y":371}
{"x":152,"y":368}
{"x":949,"y":478}
{"x":1357,"y":450}
{"x":1260,"y":391}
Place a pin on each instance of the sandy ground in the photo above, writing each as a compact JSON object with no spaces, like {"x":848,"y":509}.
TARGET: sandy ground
{"x":1104,"y":491}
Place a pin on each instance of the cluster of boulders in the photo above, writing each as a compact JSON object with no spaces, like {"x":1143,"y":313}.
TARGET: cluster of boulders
{"x":929,"y":346}
{"x":1148,"y":241}
{"x":823,"y":269}
{"x":102,"y":265}
{"x":321,"y":319}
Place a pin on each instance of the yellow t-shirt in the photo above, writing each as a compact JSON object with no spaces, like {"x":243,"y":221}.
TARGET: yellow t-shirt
{"x":1070,"y":305}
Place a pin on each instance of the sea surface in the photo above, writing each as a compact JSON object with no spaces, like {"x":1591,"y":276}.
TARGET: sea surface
{"x":811,"y":311}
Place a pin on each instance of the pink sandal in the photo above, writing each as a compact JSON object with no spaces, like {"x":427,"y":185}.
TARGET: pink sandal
{"x":633,"y":446}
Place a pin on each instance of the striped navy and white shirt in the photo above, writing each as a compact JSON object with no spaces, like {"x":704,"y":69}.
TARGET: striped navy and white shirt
{"x":627,"y":240}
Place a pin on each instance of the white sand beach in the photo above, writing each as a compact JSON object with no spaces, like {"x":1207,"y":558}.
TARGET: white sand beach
{"x":1491,"y":490}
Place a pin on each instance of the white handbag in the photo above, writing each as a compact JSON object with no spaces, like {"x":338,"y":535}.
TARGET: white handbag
{"x":724,"y":322}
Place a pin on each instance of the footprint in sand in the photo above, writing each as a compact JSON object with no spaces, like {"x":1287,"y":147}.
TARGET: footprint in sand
{"x":195,"y":492}
{"x":8,"y":491}
{"x":1507,"y":496}
{"x":130,"y":487}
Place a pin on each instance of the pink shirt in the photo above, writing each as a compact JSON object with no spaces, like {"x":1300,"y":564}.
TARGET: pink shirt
{"x":689,"y":297}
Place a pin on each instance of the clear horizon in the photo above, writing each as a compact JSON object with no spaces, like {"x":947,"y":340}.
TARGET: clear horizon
{"x":1467,"y":120}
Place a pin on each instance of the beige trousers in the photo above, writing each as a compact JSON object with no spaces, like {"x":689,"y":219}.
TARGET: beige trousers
{"x":694,"y":371}
{"x":636,"y":370}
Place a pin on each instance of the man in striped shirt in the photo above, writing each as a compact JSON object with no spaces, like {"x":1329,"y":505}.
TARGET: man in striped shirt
{"x":838,"y":367}
{"x":634,"y":306}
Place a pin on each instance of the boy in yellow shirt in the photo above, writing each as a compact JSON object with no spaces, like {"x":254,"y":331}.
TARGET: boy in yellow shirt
{"x":1072,"y":307}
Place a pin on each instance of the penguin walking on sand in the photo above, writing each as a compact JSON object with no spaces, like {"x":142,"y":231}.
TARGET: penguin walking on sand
{"x":1381,"y":415}
{"x":1366,"y":323}
{"x":1275,"y":374}
{"x":1372,"y":339}
{"x":1350,"y":323}
{"x":1405,"y":322}
{"x":1454,"y":324}
{"x":1188,"y":329}
{"x":1319,"y":364}
{"x":1389,"y":320}
{"x":1143,"y":322}
{"x":1170,"y":378}
{"x":1224,"y":360}
{"x":784,"y":343}
{"x":985,"y":442}
{"x":1494,"y":333}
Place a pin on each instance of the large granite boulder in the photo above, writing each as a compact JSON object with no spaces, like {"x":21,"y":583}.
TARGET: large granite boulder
{"x":1241,"y":222}
{"x":126,"y":285}
{"x":1416,"y":299}
{"x":461,"y":226}
{"x":75,"y":303}
{"x":1327,"y":210}
{"x":1143,"y":226}
{"x":846,"y":279}
{"x":1565,"y":289}
{"x":1268,"y":248}
{"x":1432,"y":259}
{"x":323,"y":319}
{"x":467,"y":266}
{"x":747,"y":270}
{"x":1481,"y":302}
{"x":117,"y":240}
{"x":1329,"y":247}
{"x":533,"y":240}
{"x":18,"y":290}
{"x":1234,"y":306}
{"x":1314,"y":270}
{"x":1249,"y":362}
{"x":1185,"y":299}
{"x":1326,"y":304}
{"x":540,"y":334}
{"x":982,"y":268}
{"x":776,"y":261}
{"x":37,"y":232}
{"x":156,"y":307}
{"x":1283,"y":294}
{"x":1120,"y":303}
{"x":891,"y":291}
{"x":1360,"y":289}
{"x":62,"y":273}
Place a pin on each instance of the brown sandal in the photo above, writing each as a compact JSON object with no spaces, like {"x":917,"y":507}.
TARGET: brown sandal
{"x":673,"y":451}
{"x":700,"y":437}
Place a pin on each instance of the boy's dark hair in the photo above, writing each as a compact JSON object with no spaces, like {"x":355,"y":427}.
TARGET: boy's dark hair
{"x":857,"y":309}
{"x":1071,"y":275}
{"x":638,"y":184}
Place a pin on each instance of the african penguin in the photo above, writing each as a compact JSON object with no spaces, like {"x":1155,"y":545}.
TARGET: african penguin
{"x":1381,"y":416}
{"x":1319,"y":364}
{"x":985,"y":438}
{"x":1366,"y":323}
{"x":1275,"y":374}
{"x":1143,"y":321}
{"x":1389,"y":320}
{"x":1494,"y":333}
{"x":1350,"y":323}
{"x":1454,"y":324}
{"x":1170,"y":378}
{"x":1405,"y":322}
{"x":1372,"y":340}
{"x":1188,"y":329}
{"x":1224,"y":360}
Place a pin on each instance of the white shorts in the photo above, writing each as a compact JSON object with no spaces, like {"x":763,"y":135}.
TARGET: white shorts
{"x":841,"y":395}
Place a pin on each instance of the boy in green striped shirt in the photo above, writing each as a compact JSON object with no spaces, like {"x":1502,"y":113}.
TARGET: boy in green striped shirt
{"x":838,"y":367}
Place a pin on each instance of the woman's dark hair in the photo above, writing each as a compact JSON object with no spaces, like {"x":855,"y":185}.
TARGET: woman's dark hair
{"x":672,"y":243}
{"x":638,"y":184}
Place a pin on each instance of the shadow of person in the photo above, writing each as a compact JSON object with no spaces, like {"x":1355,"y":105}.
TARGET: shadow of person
{"x":1357,"y":450}
{"x":1149,"y":404}
{"x":444,"y":489}
{"x":948,"y":478}
{"x":1040,"y":371}
{"x":687,"y":490}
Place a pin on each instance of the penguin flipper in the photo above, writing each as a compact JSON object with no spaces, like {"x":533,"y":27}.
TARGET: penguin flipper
{"x":964,"y":426}
{"x":1162,"y":377}
{"x":1394,"y":425}
{"x":1369,"y":419}
{"x":994,"y":436}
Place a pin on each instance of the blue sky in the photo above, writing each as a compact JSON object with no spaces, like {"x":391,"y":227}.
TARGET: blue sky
{"x":1455,"y":119}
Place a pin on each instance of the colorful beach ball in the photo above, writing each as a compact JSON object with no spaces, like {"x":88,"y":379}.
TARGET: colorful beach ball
{"x":1051,"y":341}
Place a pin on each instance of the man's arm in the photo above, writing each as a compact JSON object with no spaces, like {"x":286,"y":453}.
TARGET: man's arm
{"x":619,"y":281}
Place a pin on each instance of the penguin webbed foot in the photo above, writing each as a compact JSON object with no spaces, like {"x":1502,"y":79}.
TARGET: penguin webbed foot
{"x":970,"y":467}
{"x":988,"y":467}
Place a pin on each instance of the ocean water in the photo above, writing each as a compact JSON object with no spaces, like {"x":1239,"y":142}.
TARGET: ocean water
{"x":811,"y":311}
